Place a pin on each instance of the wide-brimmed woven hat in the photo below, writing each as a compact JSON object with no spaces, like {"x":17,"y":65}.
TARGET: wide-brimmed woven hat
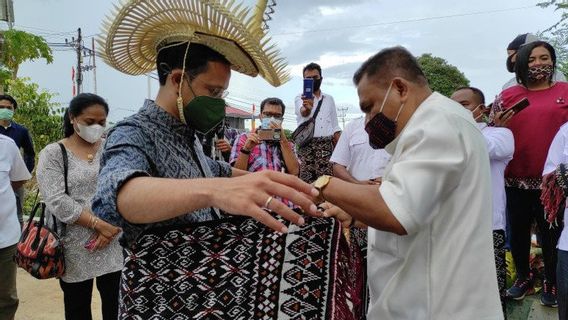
{"x":137,"y":29}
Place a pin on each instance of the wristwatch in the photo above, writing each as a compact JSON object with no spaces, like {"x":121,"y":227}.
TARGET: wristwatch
{"x":244,"y":151}
{"x":320,"y":184}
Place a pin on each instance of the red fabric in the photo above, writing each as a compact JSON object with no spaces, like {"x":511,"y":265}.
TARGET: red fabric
{"x":534,"y":127}
{"x":552,"y":196}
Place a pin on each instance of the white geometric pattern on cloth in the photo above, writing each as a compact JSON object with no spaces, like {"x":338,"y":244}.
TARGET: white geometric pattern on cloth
{"x":238,"y":269}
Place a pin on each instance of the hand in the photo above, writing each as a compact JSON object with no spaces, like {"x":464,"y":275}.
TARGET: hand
{"x":223,"y":145}
{"x":252,"y":141}
{"x":101,"y":242}
{"x":307,"y":103}
{"x":373,"y":182}
{"x":502,"y":118}
{"x":232,"y":197}
{"x":274,"y":125}
{"x":346,"y":220}
{"x":106,"y":229}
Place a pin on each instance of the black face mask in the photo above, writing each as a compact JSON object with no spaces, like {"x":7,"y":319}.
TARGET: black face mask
{"x":317,"y":84}
{"x":510,"y":63}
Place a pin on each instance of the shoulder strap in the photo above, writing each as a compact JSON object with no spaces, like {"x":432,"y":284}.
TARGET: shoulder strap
{"x":65,"y":165}
{"x":65,"y":170}
{"x":318,"y":108}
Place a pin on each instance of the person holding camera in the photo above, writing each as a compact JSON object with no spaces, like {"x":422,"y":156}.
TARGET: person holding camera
{"x":313,"y":102}
{"x":267,"y":148}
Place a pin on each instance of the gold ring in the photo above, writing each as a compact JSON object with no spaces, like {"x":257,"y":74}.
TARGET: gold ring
{"x":267,"y":203}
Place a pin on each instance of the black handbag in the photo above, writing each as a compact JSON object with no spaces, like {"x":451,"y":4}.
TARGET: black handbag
{"x":305,"y":131}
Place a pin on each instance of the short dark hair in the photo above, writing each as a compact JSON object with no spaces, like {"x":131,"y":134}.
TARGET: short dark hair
{"x":275,"y":101}
{"x":475,"y":91}
{"x":9,"y":98}
{"x":198,"y":57}
{"x":81,"y":102}
{"x":390,"y":63}
{"x":522,"y":62}
{"x":312,"y":66}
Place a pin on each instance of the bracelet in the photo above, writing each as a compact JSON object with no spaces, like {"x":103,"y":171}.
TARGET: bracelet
{"x":91,"y":220}
{"x":95,"y":224}
{"x":245,"y":151}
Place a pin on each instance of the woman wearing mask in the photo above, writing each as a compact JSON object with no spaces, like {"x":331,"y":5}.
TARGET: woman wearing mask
{"x":533,"y":129}
{"x":91,"y":249}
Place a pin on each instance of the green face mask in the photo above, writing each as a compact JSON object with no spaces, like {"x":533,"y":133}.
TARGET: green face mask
{"x":6,"y":114}
{"x":203,"y":113}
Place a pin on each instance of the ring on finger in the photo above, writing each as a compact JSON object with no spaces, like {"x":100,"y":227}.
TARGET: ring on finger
{"x":267,"y":203}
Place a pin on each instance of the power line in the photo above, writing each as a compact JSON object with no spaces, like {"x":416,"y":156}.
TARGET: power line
{"x":404,"y":21}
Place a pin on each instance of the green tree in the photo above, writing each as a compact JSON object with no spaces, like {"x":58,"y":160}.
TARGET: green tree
{"x":442,"y":76}
{"x":18,"y":47}
{"x":558,"y":38}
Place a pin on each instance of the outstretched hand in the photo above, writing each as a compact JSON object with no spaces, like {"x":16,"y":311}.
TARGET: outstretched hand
{"x":249,"y":195}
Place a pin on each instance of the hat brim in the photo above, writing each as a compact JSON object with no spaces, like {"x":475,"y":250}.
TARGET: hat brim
{"x":132,"y":39}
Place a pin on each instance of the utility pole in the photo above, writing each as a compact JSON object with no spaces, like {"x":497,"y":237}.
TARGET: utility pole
{"x":78,"y":47}
{"x":82,"y":52}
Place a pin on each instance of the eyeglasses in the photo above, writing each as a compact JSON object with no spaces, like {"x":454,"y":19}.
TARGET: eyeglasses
{"x":214,"y":92}
{"x":274,"y":115}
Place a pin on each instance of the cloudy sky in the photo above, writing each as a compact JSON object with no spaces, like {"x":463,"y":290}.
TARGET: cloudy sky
{"x":338,"y":34}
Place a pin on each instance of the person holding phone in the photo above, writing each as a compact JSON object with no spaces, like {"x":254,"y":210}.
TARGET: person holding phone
{"x":315,"y":155}
{"x":253,"y":153}
{"x":533,"y":129}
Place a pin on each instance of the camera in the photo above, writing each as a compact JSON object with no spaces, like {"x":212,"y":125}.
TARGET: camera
{"x":269,"y":134}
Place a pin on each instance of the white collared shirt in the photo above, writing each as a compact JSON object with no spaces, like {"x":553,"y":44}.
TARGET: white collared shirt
{"x":354,"y":152}
{"x":12,"y":168}
{"x":501,"y":146}
{"x":438,"y":186}
{"x":326,"y":121}
{"x":557,"y":154}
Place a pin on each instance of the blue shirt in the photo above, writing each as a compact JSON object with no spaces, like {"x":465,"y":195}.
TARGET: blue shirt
{"x":150,"y":143}
{"x":23,"y":140}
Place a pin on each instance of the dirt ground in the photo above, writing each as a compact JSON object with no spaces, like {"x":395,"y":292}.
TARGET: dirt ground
{"x":43,"y":299}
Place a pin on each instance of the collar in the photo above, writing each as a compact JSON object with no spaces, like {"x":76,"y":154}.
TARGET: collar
{"x":164,"y":119}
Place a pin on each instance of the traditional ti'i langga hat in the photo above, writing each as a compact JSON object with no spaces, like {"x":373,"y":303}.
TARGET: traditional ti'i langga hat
{"x":136,"y":30}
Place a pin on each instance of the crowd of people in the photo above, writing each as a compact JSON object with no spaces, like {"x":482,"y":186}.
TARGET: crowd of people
{"x":441,"y":186}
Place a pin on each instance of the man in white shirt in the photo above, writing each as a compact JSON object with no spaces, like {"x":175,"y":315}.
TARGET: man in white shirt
{"x":13,"y":174}
{"x":430,"y":251}
{"x":314,"y":157}
{"x":353,"y":158}
{"x":501,"y":146}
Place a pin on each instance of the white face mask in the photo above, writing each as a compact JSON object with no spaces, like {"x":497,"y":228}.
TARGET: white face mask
{"x":90,"y":133}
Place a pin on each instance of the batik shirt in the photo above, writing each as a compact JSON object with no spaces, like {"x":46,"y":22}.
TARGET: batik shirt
{"x":151,"y":143}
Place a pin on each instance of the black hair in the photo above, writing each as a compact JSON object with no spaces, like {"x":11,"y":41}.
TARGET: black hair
{"x":389,"y":63}
{"x":198,"y":57}
{"x":312,"y":66}
{"x":79,"y":103}
{"x":475,"y":91}
{"x":523,"y":56}
{"x":9,"y":98}
{"x":275,"y":101}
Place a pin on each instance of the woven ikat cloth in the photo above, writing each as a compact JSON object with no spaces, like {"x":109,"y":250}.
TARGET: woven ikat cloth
{"x":238,"y":269}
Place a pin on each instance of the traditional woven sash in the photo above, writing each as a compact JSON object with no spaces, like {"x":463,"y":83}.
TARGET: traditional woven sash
{"x":236,"y":268}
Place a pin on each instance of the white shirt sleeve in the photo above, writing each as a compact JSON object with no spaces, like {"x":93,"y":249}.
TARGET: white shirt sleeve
{"x":334,"y":121}
{"x":18,"y":169}
{"x":298,"y":105}
{"x":425,"y":172}
{"x":500,"y":144}
{"x":341,"y":154}
{"x":556,"y":152}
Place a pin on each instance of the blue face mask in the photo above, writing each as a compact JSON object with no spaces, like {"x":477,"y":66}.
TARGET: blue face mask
{"x":265,"y":122}
{"x":6,"y":114}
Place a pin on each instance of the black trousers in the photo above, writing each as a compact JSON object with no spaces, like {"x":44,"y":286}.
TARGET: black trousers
{"x":524,"y":207}
{"x":77,"y":297}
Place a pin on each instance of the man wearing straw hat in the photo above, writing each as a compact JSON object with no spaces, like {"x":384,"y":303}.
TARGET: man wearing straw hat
{"x":153,"y":171}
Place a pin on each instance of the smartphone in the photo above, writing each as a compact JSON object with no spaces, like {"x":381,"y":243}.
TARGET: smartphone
{"x":518,"y":107}
{"x":269,"y":134}
{"x":308,"y":88}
